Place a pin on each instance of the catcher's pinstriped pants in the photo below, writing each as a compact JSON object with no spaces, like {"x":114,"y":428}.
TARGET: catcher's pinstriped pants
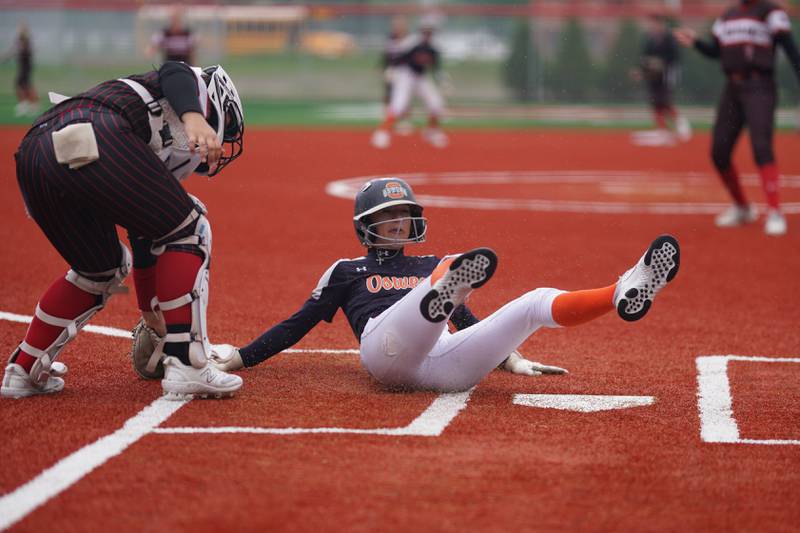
{"x":78,"y":209}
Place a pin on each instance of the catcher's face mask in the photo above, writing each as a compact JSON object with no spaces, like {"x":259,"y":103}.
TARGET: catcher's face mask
{"x":226,"y":117}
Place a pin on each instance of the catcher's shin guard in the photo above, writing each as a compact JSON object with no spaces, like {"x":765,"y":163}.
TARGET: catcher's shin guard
{"x":43,"y":366}
{"x":197,"y":337}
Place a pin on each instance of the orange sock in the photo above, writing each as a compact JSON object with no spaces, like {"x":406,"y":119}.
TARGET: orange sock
{"x":577,"y":307}
{"x":441,"y":269}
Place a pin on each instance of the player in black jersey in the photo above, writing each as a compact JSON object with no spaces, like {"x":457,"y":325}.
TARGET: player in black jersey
{"x":744,"y":39}
{"x":658,"y":69}
{"x":398,"y":305}
{"x":27,"y":98}
{"x":113,"y":156}
{"x":176,"y":42}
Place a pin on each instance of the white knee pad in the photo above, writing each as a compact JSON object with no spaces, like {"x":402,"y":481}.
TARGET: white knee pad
{"x":43,"y":366}
{"x":197,"y":337}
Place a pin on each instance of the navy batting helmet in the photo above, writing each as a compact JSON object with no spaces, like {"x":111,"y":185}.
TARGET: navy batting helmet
{"x":379,"y":194}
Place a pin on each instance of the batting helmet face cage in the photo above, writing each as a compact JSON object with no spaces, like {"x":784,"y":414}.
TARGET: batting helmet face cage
{"x":379,"y":194}
{"x":226,"y":116}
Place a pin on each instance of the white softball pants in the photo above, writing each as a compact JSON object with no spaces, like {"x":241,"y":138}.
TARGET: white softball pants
{"x":401,"y":349}
{"x":405,"y":84}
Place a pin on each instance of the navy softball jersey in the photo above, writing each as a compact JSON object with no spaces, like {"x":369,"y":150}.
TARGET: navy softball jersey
{"x":363,"y":288}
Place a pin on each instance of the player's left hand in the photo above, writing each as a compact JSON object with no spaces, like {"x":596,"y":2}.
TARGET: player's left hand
{"x":517,"y":364}
{"x":202,"y":138}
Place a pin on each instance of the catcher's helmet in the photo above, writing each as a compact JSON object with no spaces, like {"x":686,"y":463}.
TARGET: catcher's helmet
{"x":379,"y":194}
{"x":227,"y":116}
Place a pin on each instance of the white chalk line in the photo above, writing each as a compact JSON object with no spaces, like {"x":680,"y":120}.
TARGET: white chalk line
{"x":619,"y":181}
{"x":583,"y":403}
{"x":125,"y":334}
{"x":715,"y":401}
{"x":17,"y":504}
{"x":714,"y":404}
{"x":431,"y":423}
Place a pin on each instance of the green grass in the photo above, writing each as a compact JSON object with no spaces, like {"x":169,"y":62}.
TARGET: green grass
{"x":305,"y":91}
{"x":295,"y":113}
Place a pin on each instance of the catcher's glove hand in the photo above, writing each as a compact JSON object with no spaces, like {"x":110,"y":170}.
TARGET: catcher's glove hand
{"x":145,"y":341}
{"x":516,"y":364}
{"x":226,"y":357}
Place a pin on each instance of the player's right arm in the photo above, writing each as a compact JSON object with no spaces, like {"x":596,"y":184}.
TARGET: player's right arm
{"x":325,"y":300}
{"x":688,"y":38}
{"x":289,"y":332}
{"x":180,"y":86}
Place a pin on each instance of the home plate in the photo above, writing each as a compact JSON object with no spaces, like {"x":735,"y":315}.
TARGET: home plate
{"x":584,"y":403}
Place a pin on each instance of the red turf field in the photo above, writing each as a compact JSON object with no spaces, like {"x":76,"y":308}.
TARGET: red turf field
{"x":497,"y":465}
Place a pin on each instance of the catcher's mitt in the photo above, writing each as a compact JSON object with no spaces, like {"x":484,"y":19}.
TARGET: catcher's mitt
{"x":145,"y":341}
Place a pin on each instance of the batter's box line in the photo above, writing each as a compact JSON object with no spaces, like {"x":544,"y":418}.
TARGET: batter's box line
{"x":715,"y":402}
{"x":126,"y":334}
{"x":431,"y":423}
{"x":20,"y":502}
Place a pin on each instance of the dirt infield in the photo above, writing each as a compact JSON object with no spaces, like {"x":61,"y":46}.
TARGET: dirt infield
{"x":312,"y":443}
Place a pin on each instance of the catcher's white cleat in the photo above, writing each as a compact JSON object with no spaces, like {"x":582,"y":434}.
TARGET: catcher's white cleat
{"x":637,"y":288}
{"x":17,"y":383}
{"x":185,"y":381}
{"x":381,"y":139}
{"x":453,"y":280}
{"x":736,"y":215}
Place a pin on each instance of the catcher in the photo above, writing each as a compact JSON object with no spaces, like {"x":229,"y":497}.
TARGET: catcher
{"x":398,"y":305}
{"x":114,"y":156}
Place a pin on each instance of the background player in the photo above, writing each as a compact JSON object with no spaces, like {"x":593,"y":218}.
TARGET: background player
{"x":419,"y":61}
{"x":27,"y":98}
{"x":744,"y":38}
{"x":398,"y":305}
{"x":658,"y":69}
{"x":114,"y":155}
{"x":392,"y":57}
{"x":176,"y":42}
